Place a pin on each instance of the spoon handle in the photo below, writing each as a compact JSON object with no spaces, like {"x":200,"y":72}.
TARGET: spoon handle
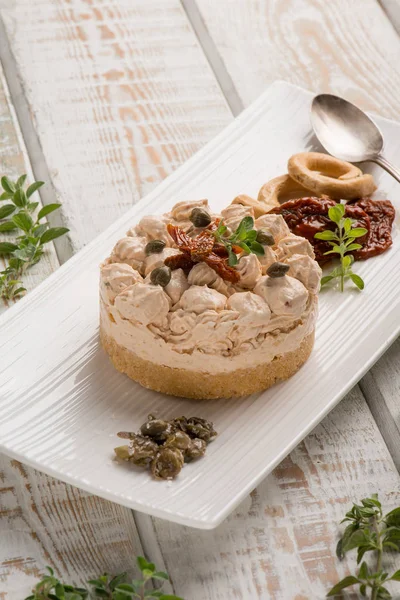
{"x":385,"y":164}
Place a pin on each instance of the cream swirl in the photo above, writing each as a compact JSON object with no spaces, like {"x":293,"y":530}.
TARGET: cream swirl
{"x":158,"y":258}
{"x":201,"y":298}
{"x":115,"y":277}
{"x":285,"y":296}
{"x":249,"y":269}
{"x":293,"y":244}
{"x":252,"y":309}
{"x":275,"y":224}
{"x":234,"y":213}
{"x":177,"y":285}
{"x":130,"y":250}
{"x":202,"y":274}
{"x":143,"y":303}
{"x":181,"y":211}
{"x":155,"y":228}
{"x":306,"y":270}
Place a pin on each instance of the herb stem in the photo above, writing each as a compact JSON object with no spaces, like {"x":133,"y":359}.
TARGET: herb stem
{"x":379,"y":550}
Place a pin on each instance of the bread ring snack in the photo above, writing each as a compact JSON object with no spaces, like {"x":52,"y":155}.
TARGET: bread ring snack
{"x":260,"y":208}
{"x":324,"y":174}
{"x":277,"y":190}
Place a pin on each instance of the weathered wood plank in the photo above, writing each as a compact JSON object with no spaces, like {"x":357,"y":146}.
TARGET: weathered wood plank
{"x":120,"y":95}
{"x":44,"y":521}
{"x":280,"y":543}
{"x":323,"y":46}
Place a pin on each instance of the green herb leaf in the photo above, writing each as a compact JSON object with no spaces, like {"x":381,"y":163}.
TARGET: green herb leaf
{"x":393,"y":518}
{"x":346,"y":582}
{"x":257,"y":248}
{"x":395,"y":576}
{"x":33,"y":187}
{"x":245,"y":225}
{"x":21,"y":181}
{"x":363,"y":572}
{"x":357,"y":280}
{"x":326,"y":235}
{"x":47,"y":209}
{"x":160,"y":575}
{"x":352,"y":247}
{"x":52,"y":234}
{"x":7,"y":226}
{"x":8,"y":185}
{"x":327,"y":278}
{"x":346,"y":262}
{"x":7,"y":248}
{"x":356,"y":539}
{"x":39,"y":230}
{"x":232,"y":258}
{"x":20,"y":199}
{"x":23,"y":221}
{"x":6,"y":210}
{"x":5,"y":196}
{"x":358,"y":232}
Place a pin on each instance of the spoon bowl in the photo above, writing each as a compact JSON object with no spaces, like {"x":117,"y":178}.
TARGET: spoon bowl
{"x":345,"y":131}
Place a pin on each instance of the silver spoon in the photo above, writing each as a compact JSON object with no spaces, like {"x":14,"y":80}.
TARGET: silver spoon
{"x":346,"y":132}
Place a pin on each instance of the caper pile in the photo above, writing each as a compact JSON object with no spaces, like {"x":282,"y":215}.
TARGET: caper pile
{"x":164,"y":446}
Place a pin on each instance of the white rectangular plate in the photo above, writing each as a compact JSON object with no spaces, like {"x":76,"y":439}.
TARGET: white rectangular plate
{"x":62,"y":403}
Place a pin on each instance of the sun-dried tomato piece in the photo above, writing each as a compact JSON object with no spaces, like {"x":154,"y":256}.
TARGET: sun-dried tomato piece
{"x":308,"y":216}
{"x":202,"y":248}
{"x":222,"y":268}
{"x":180,"y":237}
{"x":202,"y":245}
{"x":179,"y":261}
{"x":381,"y":214}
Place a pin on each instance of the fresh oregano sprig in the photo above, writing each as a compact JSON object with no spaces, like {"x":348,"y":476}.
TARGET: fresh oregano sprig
{"x":369,"y":531}
{"x":19,"y":214}
{"x":244,"y":237}
{"x":342,"y":240}
{"x":105,"y":586}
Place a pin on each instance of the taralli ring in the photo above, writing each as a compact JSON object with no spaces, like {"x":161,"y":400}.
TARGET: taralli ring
{"x":324,"y":174}
{"x":260,"y":208}
{"x":280,"y":189}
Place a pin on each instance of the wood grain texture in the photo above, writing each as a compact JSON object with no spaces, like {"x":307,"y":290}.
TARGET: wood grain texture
{"x":280,"y":543}
{"x":44,"y":521}
{"x":120,"y":95}
{"x":335,"y":47}
{"x":129,"y":77}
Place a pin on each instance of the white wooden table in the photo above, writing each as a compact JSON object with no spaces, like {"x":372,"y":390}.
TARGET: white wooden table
{"x":102,"y":99}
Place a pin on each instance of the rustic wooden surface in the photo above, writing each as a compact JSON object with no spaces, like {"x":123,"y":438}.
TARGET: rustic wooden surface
{"x":111,"y":96}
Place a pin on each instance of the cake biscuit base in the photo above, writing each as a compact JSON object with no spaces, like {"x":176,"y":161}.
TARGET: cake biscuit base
{"x":206,"y":386}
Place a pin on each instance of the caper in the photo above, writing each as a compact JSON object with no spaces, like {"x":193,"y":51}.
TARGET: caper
{"x":277,"y":269}
{"x":157,"y":429}
{"x":196,"y":427}
{"x":196,"y":449}
{"x":265,"y":237}
{"x":200,"y":217}
{"x":154,"y":247}
{"x":179,"y":440}
{"x":140,"y":451}
{"x":161,"y":276}
{"x":167,"y":463}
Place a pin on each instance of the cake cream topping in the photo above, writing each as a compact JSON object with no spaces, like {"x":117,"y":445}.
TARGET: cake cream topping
{"x":199,"y":320}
